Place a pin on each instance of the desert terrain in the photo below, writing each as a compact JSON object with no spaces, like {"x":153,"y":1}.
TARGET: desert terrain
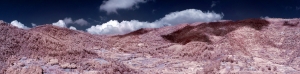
{"x":250,"y":46}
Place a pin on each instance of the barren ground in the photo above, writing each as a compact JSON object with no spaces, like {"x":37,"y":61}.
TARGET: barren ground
{"x":252,"y":46}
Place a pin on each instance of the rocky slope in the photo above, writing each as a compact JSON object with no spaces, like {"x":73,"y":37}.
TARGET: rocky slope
{"x":245,"y":46}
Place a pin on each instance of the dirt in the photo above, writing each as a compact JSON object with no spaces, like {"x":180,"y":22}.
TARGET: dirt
{"x":245,"y":46}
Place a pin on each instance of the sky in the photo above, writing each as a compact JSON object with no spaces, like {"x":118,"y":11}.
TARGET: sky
{"x":123,"y":16}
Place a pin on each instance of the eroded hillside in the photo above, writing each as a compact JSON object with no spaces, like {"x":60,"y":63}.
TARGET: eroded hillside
{"x":245,"y":46}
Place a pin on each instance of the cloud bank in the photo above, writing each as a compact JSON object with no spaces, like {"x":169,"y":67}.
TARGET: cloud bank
{"x":114,"y":27}
{"x":111,"y":6}
{"x":60,"y":23}
{"x":80,"y":22}
{"x":18,"y":24}
{"x":189,"y":16}
{"x":67,"y":21}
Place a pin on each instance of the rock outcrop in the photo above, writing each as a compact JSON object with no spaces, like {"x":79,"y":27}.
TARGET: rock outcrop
{"x":245,"y":46}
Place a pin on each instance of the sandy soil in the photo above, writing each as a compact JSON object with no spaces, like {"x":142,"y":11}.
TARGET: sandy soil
{"x":255,"y":46}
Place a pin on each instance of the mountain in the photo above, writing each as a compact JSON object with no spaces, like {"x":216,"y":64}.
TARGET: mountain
{"x":245,"y":46}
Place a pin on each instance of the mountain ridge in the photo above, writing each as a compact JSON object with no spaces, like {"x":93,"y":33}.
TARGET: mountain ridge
{"x":244,"y":46}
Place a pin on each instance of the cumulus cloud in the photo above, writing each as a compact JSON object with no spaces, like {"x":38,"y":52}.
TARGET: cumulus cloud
{"x":65,"y":22}
{"x":111,"y":6}
{"x":68,"y":20}
{"x":72,"y":28}
{"x":189,"y":16}
{"x":81,"y":22}
{"x":18,"y":24}
{"x":60,"y":23}
{"x":114,"y":27}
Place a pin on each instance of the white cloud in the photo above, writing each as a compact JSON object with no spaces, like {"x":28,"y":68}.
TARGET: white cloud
{"x":33,"y":25}
{"x":60,"y":23}
{"x":189,"y":16}
{"x":81,"y":22}
{"x":18,"y":24}
{"x":63,"y":23}
{"x":114,"y":27}
{"x":111,"y":6}
{"x":72,"y":28}
{"x":68,"y":20}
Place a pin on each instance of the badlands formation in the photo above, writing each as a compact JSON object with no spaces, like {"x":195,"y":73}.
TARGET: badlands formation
{"x":251,"y":46}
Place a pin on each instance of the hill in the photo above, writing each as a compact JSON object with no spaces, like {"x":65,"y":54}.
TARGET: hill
{"x":244,"y":46}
